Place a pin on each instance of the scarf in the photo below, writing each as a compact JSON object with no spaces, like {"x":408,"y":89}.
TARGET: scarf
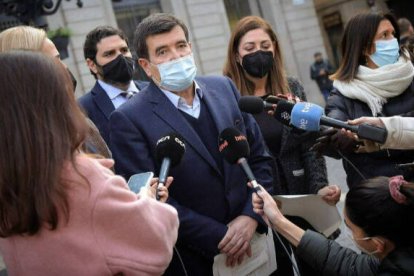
{"x":375,"y":86}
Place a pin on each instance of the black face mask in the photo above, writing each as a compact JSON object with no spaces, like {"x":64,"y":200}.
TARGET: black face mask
{"x":119,"y":70}
{"x":258,"y":64}
{"x":74,"y":81}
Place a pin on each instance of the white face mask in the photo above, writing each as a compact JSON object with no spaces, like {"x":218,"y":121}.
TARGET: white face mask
{"x":178,"y":74}
{"x":349,"y":234}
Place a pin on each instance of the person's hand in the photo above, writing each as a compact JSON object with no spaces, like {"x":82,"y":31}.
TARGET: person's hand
{"x":264,"y":205}
{"x":151,"y":191}
{"x":323,"y":142}
{"x":233,"y":260}
{"x":271,"y":111}
{"x":331,"y":194}
{"x":289,"y":97}
{"x":364,"y":146}
{"x":236,"y":242}
{"x":367,"y":120}
{"x":322,"y":72}
{"x":341,"y":141}
{"x":335,"y":139}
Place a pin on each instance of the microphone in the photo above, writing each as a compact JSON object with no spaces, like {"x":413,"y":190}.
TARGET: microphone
{"x":169,"y":151}
{"x":253,"y":104}
{"x":405,"y":166}
{"x":309,"y":117}
{"x":283,"y":112}
{"x":235,"y":148}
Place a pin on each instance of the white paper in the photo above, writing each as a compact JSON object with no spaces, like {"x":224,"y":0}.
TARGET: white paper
{"x":323,"y":217}
{"x":262,"y":261}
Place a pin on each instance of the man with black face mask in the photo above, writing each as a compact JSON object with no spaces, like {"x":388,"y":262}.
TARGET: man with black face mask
{"x":320,"y":71}
{"x":110,"y":61}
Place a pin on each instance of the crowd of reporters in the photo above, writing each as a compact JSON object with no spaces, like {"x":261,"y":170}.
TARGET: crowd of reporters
{"x":64,"y":211}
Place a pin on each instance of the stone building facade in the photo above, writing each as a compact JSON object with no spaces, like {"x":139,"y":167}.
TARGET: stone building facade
{"x":302,"y":26}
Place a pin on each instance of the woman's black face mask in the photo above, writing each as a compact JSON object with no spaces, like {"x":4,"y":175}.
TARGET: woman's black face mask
{"x":258,"y":64}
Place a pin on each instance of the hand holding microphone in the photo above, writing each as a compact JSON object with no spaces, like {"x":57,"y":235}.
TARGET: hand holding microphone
{"x":235,"y":149}
{"x":278,"y":107}
{"x":310,"y":117}
{"x":255,"y":105}
{"x":155,"y":191}
{"x":368,"y":146}
{"x":331,"y":138}
{"x":265,"y":206}
{"x":168,"y":152}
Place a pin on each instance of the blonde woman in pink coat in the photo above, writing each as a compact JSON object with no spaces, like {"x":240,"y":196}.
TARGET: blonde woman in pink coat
{"x":62,"y":212}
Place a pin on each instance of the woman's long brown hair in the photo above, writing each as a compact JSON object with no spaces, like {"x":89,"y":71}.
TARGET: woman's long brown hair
{"x":277,"y":82}
{"x":42,"y":128}
{"x":357,"y":39}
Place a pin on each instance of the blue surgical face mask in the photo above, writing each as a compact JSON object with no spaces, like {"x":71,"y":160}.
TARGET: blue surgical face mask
{"x":386,"y":52}
{"x":178,"y":74}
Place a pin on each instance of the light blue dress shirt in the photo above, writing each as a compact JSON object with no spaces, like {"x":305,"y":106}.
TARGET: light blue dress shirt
{"x":114,"y":93}
{"x":180,"y":103}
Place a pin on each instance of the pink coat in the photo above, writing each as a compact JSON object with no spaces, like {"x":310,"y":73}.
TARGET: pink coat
{"x":111,"y":230}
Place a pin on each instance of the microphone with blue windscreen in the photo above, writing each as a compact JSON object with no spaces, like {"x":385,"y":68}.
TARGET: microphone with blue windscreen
{"x":307,"y":116}
{"x":310,"y":117}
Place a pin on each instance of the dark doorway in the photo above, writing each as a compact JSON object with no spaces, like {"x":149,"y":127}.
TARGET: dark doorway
{"x":334,"y":29}
{"x":402,"y":8}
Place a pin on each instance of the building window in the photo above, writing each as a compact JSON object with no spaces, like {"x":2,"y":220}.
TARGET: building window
{"x":237,"y":9}
{"x":128,"y":14}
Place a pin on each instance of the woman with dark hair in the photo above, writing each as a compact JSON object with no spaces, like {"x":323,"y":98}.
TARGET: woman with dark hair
{"x":255,"y":64}
{"x":375,"y":78}
{"x":62,"y":212}
{"x":379,"y":214}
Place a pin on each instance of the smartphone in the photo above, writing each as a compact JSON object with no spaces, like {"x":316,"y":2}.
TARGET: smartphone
{"x":139,"y":180}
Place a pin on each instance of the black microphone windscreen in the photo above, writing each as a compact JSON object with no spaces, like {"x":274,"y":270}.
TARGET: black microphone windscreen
{"x":233,"y":145}
{"x":283,"y":111}
{"x":170,"y":146}
{"x":251,"y":104}
{"x":273,"y":99}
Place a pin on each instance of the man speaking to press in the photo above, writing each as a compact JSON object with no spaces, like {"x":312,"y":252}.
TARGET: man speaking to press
{"x":210,"y":194}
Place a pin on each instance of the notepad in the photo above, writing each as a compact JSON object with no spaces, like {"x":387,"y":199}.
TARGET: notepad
{"x":323,"y":217}
{"x":262,"y":261}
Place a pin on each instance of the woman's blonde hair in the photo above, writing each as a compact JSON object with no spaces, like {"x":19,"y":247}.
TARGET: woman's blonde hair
{"x":22,"y":38}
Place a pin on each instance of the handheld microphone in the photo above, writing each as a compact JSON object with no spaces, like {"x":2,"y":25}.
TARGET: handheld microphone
{"x":235,"y":148}
{"x":169,"y":151}
{"x":309,"y":117}
{"x":253,"y":104}
{"x":405,"y":166}
{"x":283,"y":112}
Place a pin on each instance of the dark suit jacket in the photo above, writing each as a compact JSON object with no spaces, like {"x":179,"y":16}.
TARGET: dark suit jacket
{"x":98,"y":107}
{"x":206,"y":198}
